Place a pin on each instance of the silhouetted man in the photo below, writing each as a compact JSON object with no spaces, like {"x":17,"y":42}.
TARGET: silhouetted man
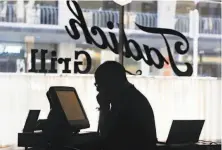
{"x":126,"y":117}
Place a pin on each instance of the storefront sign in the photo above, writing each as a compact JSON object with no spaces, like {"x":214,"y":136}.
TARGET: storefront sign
{"x":143,"y":53}
{"x":55,"y":60}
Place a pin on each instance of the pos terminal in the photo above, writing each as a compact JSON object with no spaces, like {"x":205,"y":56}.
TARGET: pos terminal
{"x":63,"y":124}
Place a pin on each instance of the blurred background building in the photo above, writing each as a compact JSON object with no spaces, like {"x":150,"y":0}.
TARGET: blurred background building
{"x":27,"y":24}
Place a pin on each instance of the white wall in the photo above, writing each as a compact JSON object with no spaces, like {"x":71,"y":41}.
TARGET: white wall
{"x":20,"y":10}
{"x":64,"y":13}
{"x":166,"y":13}
{"x":171,"y":98}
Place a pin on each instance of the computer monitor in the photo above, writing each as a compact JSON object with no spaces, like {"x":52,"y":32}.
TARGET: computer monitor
{"x":67,"y":100}
{"x":185,"y":131}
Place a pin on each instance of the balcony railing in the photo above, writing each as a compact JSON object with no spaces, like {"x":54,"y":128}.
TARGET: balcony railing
{"x":210,"y":25}
{"x":35,"y":15}
{"x":182,"y":23}
{"x":49,"y":15}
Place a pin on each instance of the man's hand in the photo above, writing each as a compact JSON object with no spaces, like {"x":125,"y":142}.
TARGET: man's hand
{"x":103,"y":102}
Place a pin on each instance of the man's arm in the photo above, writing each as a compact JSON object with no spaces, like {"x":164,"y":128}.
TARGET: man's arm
{"x":110,"y":123}
{"x":109,"y":119}
{"x":104,"y":113}
{"x":103,"y":119}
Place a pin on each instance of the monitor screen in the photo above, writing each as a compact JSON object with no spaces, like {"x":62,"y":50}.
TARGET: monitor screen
{"x":66,"y":103}
{"x":70,"y":105}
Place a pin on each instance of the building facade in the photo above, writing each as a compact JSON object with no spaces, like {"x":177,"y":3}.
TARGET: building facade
{"x":41,"y":26}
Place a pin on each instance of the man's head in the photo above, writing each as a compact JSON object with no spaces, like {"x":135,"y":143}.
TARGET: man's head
{"x":110,"y":75}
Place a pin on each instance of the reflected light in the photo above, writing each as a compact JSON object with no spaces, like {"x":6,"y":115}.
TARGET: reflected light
{"x":13,"y":49}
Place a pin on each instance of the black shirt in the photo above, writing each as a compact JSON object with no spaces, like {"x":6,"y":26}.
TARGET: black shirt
{"x":130,"y":124}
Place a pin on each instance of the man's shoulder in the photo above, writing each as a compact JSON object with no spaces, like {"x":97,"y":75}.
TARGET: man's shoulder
{"x":134,"y":93}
